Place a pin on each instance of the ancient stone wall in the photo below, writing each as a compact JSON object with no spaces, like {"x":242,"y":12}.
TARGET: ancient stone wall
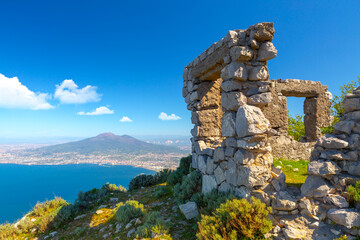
{"x":239,"y":115}
{"x":235,"y":109}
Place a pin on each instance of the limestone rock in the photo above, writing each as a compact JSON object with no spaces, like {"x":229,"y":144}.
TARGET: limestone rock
{"x":264,"y":31}
{"x":334,"y":154}
{"x":228,"y":124}
{"x":199,"y":146}
{"x":250,"y":121}
{"x":315,"y":186}
{"x":266,"y":52}
{"x":332,"y":143}
{"x":234,"y":70}
{"x":219,"y":154}
{"x":352,"y":168}
{"x":344,"y":126}
{"x":252,"y":176}
{"x":202,"y":163}
{"x":260,"y":99}
{"x":243,"y":157}
{"x":351,"y":104}
{"x":323,"y":168}
{"x":224,"y":187}
{"x":208,"y":183}
{"x":293,"y":233}
{"x":210,"y":166}
{"x":231,"y":85}
{"x":283,"y":204}
{"x":231,"y":173}
{"x":345,"y":217}
{"x":219,"y":175}
{"x":189,"y":210}
{"x":258,"y":73}
{"x":232,"y":101}
{"x":241,"y":53}
{"x":337,"y":200}
{"x":194,"y":160}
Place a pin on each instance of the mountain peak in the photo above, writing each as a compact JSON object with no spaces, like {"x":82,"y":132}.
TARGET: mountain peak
{"x":108,"y":134}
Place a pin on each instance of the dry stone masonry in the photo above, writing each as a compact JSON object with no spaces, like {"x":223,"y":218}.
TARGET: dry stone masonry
{"x":240,"y":120}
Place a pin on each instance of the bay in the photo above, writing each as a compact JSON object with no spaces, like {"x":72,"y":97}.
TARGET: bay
{"x":22,"y":186}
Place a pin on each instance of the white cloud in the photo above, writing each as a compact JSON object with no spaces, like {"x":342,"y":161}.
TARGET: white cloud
{"x":15,"y":95}
{"x":68,"y":92}
{"x":164,"y":116}
{"x":125,"y":119}
{"x":98,"y":111}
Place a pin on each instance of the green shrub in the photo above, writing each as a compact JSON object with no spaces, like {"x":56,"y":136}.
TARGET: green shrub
{"x":144,"y":180}
{"x":182,"y":170}
{"x":130,"y":210}
{"x":296,"y":127}
{"x":162,"y":191}
{"x":154,"y":223}
{"x":210,"y":201}
{"x":236,"y":219}
{"x":354,"y":193}
{"x":79,"y":231}
{"x":189,"y":186}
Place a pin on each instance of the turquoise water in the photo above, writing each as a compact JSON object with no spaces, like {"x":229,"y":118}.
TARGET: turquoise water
{"x":21,"y":187}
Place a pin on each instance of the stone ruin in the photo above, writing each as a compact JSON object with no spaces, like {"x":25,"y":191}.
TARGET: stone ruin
{"x":240,"y":119}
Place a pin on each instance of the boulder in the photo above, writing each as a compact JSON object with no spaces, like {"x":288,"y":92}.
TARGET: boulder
{"x":266,"y":51}
{"x":189,"y":209}
{"x":260,"y":99}
{"x":208,"y":183}
{"x":323,"y":168}
{"x":250,"y":121}
{"x":332,"y":143}
{"x":315,"y":186}
{"x":228,"y":124}
{"x":231,"y":101}
{"x":345,"y":217}
{"x":293,"y":233}
{"x":234,"y":70}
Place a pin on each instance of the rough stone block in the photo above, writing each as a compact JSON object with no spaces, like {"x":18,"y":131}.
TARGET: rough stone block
{"x":241,"y":53}
{"x":189,"y":210}
{"x":234,"y":70}
{"x":266,"y":51}
{"x":260,"y":99}
{"x":258,"y":73}
{"x":208,"y":184}
{"x":315,"y":186}
{"x":231,"y":101}
{"x":250,"y":121}
{"x":228,"y":124}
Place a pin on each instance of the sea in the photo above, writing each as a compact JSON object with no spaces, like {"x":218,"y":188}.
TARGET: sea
{"x":22,"y":186}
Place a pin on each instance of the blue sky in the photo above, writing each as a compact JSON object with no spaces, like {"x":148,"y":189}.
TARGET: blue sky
{"x":125,"y":58}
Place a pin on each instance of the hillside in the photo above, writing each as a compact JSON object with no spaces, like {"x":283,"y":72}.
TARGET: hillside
{"x":106,"y":144}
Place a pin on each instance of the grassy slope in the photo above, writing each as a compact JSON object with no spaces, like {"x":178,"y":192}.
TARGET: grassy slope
{"x":295,"y":171}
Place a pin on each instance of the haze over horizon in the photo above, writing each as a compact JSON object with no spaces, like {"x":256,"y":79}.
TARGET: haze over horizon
{"x":74,"y":69}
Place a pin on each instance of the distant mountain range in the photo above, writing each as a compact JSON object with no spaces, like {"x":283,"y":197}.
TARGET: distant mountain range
{"x":106,"y":144}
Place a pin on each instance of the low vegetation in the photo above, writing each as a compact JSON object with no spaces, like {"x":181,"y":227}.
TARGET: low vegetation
{"x":183,"y":169}
{"x":128,"y":211}
{"x":354,"y":193}
{"x":236,"y":219}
